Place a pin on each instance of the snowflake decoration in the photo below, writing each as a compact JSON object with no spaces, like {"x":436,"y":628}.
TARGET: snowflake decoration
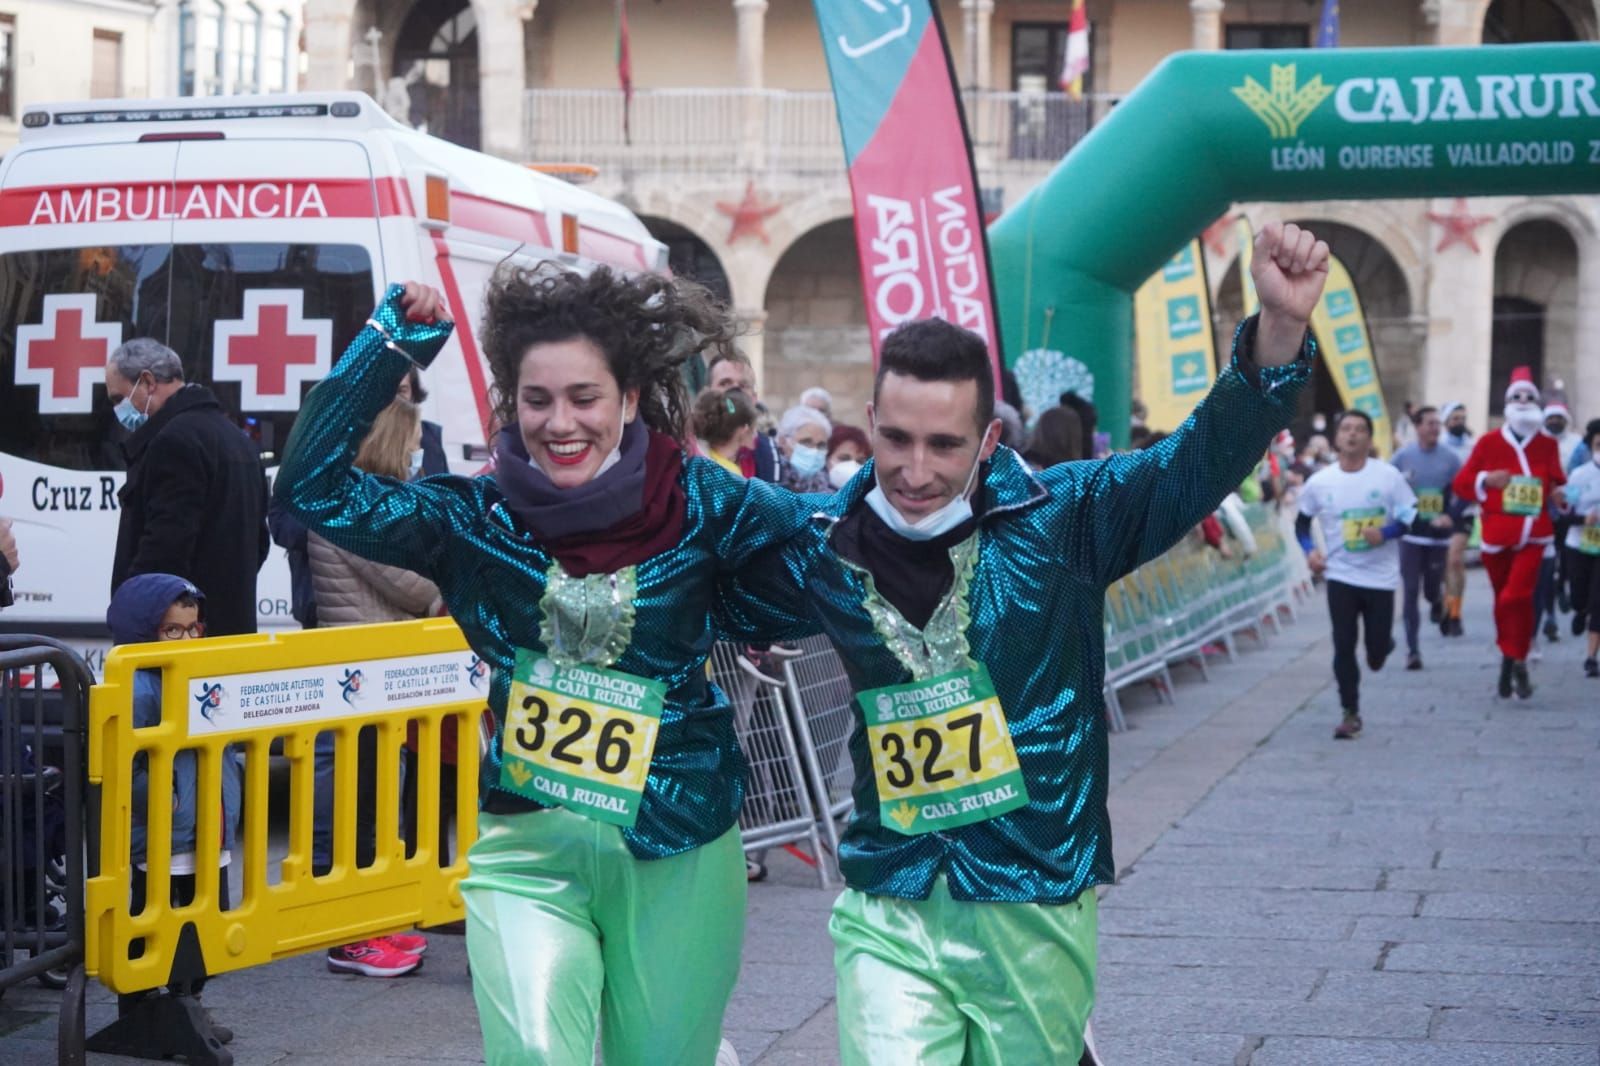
{"x":1043,"y":374}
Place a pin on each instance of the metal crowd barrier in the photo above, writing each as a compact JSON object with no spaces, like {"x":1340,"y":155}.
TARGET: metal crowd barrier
{"x":44,"y":688}
{"x":1175,"y":608}
{"x":246,"y":693}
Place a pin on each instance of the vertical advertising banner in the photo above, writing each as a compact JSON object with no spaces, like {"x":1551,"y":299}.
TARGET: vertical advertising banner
{"x":1176,"y":348}
{"x":1346,"y":348}
{"x":918,"y":220}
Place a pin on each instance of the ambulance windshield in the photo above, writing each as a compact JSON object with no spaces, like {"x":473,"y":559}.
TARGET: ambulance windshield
{"x":258,"y":324}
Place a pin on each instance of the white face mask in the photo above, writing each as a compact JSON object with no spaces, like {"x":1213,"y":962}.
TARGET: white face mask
{"x":416,"y":462}
{"x":840,"y":473}
{"x":1525,"y":419}
{"x":939,"y":522}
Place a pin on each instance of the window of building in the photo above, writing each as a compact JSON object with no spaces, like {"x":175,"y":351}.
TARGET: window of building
{"x":1267,"y":35}
{"x":8,"y":66}
{"x":247,"y":50}
{"x":1045,"y":122}
{"x":276,"y":53}
{"x":105,"y":76}
{"x":200,"y":48}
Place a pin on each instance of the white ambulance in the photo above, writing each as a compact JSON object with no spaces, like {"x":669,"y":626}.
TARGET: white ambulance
{"x":252,"y":235}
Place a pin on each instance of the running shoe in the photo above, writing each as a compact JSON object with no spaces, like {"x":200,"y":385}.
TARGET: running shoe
{"x":1504,"y":687}
{"x":1519,"y":679}
{"x":372,"y":958}
{"x":1435,"y":612}
{"x":1591,"y":668}
{"x":410,"y":943}
{"x":1413,"y":661}
{"x":1552,"y":632}
{"x":1349,"y":727}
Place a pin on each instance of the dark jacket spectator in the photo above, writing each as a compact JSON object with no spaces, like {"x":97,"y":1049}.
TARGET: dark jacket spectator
{"x":291,"y":536}
{"x":195,"y":502}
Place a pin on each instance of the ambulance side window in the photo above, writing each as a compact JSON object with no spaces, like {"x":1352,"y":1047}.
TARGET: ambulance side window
{"x":62,"y":312}
{"x":261,"y":323}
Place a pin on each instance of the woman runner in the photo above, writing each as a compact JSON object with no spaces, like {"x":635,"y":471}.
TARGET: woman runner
{"x":607,"y":879}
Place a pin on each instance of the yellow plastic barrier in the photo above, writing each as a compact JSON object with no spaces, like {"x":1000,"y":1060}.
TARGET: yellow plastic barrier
{"x":249,"y":691}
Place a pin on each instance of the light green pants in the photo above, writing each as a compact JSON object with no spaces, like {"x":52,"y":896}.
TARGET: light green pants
{"x":565,"y":926}
{"x":942,"y":982}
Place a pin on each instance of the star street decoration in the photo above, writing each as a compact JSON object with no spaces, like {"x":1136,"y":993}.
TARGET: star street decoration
{"x":749,"y":215}
{"x":1459,"y":225}
{"x":1219,"y":236}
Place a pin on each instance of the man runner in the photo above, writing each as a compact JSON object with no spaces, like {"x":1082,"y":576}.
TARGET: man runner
{"x":965,"y":596}
{"x":1458,"y":438}
{"x":1364,"y":504}
{"x":1428,"y":467}
{"x":1515,"y":475}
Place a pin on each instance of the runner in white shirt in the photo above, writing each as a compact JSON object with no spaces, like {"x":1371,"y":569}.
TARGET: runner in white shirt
{"x":1364,"y":506}
{"x":1582,"y":549}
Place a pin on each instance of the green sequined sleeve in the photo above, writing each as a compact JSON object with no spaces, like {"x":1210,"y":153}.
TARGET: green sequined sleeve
{"x":1126,"y":510}
{"x":388,"y":521}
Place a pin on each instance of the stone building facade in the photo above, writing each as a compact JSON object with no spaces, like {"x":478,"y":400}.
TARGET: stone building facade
{"x":732,"y":156}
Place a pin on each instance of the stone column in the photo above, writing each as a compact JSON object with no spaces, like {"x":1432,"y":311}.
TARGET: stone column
{"x":751,"y":60}
{"x":1454,"y":22}
{"x":502,"y":77}
{"x":1207,"y":21}
{"x":329,"y":45}
{"x":753,"y":340}
{"x":1583,"y":393}
{"x":1460,"y":311}
{"x":977,"y":17}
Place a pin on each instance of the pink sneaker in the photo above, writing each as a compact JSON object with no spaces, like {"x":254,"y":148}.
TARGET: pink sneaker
{"x":373,"y":958}
{"x":410,"y":943}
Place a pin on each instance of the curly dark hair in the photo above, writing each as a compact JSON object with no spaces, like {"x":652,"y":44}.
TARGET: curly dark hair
{"x":648,"y":326}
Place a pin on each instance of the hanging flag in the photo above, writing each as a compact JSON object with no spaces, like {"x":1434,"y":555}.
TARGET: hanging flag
{"x":624,"y":68}
{"x":1328,"y":27}
{"x":918,"y":217}
{"x":1176,"y":351}
{"x":1076,"y":63}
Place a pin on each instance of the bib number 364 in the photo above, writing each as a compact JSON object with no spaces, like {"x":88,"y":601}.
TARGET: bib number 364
{"x":580,"y":737}
{"x":941,"y":753}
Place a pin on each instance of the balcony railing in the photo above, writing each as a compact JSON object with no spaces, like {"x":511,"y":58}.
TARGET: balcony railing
{"x":776,"y":135}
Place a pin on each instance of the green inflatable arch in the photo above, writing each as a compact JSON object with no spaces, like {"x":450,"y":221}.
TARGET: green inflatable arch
{"x":1205,"y":130}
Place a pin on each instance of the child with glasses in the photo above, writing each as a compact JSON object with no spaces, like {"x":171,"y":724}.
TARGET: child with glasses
{"x":162,"y":607}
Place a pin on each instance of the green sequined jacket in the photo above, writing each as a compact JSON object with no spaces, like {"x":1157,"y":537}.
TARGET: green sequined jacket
{"x":505,"y":591}
{"x":1027,"y":600}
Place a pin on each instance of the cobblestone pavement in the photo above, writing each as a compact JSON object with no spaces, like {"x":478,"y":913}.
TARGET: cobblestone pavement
{"x":1427,"y":895}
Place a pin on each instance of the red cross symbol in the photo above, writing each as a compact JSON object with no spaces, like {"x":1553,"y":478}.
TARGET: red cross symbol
{"x":66,"y":353}
{"x":272,"y":350}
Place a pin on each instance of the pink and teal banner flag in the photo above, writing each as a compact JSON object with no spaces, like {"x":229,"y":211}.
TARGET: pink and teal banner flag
{"x":919,"y":227}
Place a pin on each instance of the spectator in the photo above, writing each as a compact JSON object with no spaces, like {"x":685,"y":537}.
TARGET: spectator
{"x":1013,"y":434}
{"x":1088,"y":419}
{"x":195,"y":502}
{"x":1057,"y":438}
{"x":434,"y":460}
{"x":848,"y":450}
{"x":9,"y":561}
{"x":820,"y":398}
{"x":1582,"y":453}
{"x":1558,"y":423}
{"x":725,"y":422}
{"x":1405,"y":428}
{"x":351,"y":590}
{"x":732,"y":369}
{"x":803,"y":434}
{"x":162,"y":607}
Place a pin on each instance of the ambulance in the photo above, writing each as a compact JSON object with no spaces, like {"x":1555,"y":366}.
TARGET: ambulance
{"x":253,"y":236}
